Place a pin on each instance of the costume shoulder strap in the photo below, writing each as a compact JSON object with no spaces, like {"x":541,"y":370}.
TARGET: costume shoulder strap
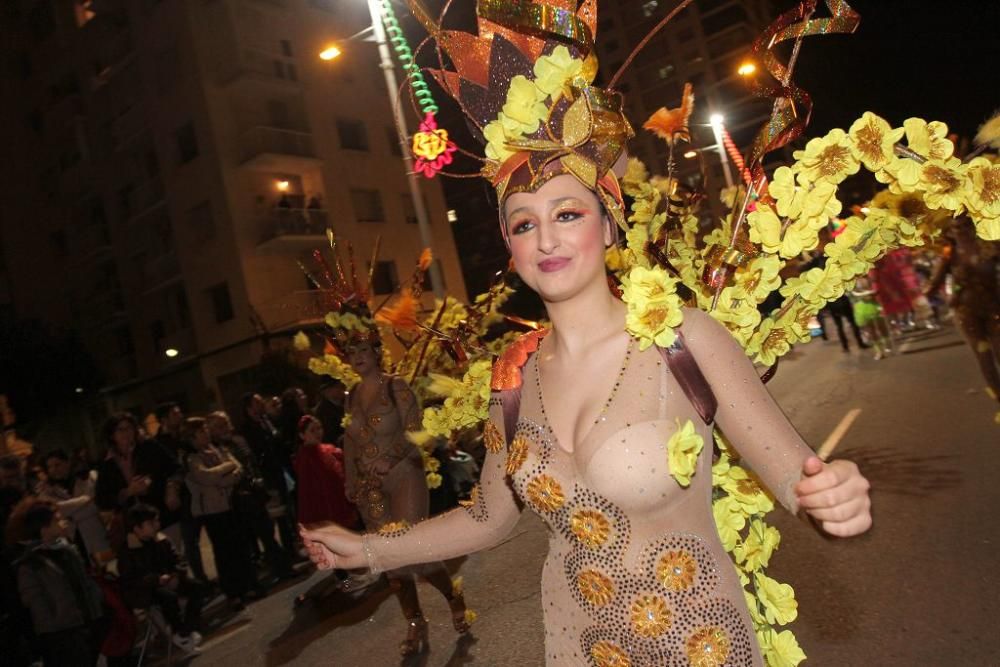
{"x":685,"y":369}
{"x":506,"y":379}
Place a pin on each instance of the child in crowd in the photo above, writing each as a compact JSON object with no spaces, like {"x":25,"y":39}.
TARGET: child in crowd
{"x":868,"y":315}
{"x":153,"y":574}
{"x":53,"y":584}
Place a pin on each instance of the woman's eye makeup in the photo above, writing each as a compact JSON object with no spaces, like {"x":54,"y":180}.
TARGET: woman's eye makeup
{"x":569,"y":214}
{"x":520,"y":226}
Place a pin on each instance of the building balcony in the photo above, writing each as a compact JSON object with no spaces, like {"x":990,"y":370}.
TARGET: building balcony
{"x":274,"y":149}
{"x":259,"y":66}
{"x":161,"y":271}
{"x":293,"y":230}
{"x":298,"y":309}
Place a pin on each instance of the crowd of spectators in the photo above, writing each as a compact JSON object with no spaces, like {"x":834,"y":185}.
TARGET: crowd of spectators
{"x":93,"y":546}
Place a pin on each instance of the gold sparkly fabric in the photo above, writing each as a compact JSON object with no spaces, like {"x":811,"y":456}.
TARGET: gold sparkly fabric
{"x":635,"y":574}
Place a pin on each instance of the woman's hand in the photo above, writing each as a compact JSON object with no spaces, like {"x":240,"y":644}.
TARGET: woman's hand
{"x":836,"y":495}
{"x":334,"y":547}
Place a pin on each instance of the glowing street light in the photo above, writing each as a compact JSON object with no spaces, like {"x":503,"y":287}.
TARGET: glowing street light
{"x":171,"y":352}
{"x":691,"y":154}
{"x":329,"y":53}
{"x":282,"y":186}
{"x":715,"y":120}
{"x":746,"y":69}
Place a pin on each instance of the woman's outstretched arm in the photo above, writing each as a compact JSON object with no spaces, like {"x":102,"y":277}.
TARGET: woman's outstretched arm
{"x":482,"y":524}
{"x":835,"y":493}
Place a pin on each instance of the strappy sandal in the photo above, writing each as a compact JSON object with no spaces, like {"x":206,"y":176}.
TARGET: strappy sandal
{"x":417,"y":639}
{"x":457,"y":605}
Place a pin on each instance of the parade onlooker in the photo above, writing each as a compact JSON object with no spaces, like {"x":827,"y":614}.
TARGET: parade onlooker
{"x":73,"y":493}
{"x":320,"y":471}
{"x":12,"y":485}
{"x":152,"y":573}
{"x":171,"y":419}
{"x":134,"y":469}
{"x":330,"y":410}
{"x":54,"y":586}
{"x":293,"y":406}
{"x":250,"y":496}
{"x":265,"y":443}
{"x":212,"y":475}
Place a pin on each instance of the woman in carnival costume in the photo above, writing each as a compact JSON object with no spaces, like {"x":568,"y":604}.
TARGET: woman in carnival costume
{"x":384,"y":472}
{"x":617,"y":465}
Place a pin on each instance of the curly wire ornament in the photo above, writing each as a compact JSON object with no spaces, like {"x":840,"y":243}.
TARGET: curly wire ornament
{"x":415,"y":76}
{"x":645,"y":40}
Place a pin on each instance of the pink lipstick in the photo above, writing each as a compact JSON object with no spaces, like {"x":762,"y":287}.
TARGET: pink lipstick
{"x":553,"y":264}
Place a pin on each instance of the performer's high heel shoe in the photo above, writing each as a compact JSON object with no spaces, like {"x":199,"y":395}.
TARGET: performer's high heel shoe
{"x":417,"y":639}
{"x":457,"y":605}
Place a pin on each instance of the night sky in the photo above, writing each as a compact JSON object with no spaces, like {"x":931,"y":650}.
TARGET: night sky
{"x":935,"y":60}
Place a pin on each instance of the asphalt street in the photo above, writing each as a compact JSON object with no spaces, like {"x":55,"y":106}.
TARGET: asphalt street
{"x":922,"y":588}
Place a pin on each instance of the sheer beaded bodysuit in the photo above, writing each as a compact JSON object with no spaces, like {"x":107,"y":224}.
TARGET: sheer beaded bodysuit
{"x":635,"y":573}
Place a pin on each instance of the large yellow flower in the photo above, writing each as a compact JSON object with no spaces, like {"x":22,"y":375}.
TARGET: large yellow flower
{"x":983,"y":195}
{"x":778,"y":599}
{"x":760,"y":277}
{"x":788,"y":194}
{"x":729,"y":521}
{"x":496,"y":140}
{"x":755,"y":551}
{"x":707,"y":646}
{"x":745,"y":490}
{"x":653,"y":307}
{"x":928,"y":139}
{"x":900,"y":174}
{"x":767,"y":229}
{"x":820,"y":205}
{"x":769,"y":342}
{"x":525,"y":104}
{"x":781,"y":649}
{"x":738,"y":312}
{"x":554,"y":71}
{"x":850,"y":264}
{"x":650,"y":616}
{"x":683,"y":449}
{"x":873,"y":140}
{"x":816,"y":286}
{"x":944,"y":183}
{"x":829,"y":158}
{"x":590,"y":527}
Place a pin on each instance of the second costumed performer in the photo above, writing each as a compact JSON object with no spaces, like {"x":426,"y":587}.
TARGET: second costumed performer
{"x":582,"y":416}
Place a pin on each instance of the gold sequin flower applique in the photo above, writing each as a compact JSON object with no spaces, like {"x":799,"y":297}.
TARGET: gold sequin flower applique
{"x":650,"y":616}
{"x":595,"y":588}
{"x":707,"y":647}
{"x":492,"y":439}
{"x":517,"y":453}
{"x":545,"y":494}
{"x":606,"y":654}
{"x":394,"y":528}
{"x":676,"y":570}
{"x":590,"y":527}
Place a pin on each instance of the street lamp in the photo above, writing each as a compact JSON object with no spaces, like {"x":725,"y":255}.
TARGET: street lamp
{"x":171,"y":352}
{"x":389,"y":71}
{"x":746,"y":69}
{"x":716,"y":120}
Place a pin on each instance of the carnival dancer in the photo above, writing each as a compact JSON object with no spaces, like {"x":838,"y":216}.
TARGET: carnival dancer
{"x":604,"y":437}
{"x":384,"y":473}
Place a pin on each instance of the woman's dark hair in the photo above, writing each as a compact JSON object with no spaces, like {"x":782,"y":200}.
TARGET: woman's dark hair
{"x":140,"y":514}
{"x":163,"y":409}
{"x":56,"y":454}
{"x":38,"y":515}
{"x":112,"y":423}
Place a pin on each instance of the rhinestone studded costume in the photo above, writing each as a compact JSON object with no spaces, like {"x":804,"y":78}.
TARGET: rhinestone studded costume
{"x":635,"y":574}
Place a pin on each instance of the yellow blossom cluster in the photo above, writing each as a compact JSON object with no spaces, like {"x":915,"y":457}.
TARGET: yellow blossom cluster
{"x":466,"y":402}
{"x":335,"y":367}
{"x":653,"y":307}
{"x":528,"y":101}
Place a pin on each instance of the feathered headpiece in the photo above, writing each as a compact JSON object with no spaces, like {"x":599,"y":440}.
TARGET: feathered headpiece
{"x":526,"y":83}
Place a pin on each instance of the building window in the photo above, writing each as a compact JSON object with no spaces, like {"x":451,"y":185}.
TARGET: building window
{"x":384,"y":277}
{"x":158,"y":331}
{"x":367,"y":205}
{"x":353,"y":135}
{"x":187,"y":143}
{"x":123,"y":340}
{"x":286,"y":48}
{"x":649,"y":8}
{"x":409,"y":210}
{"x":222,"y":304}
{"x":392,"y":136}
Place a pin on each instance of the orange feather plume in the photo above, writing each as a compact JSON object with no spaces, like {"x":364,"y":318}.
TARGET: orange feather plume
{"x":672,"y":124}
{"x":401,"y":313}
{"x":426,"y":257}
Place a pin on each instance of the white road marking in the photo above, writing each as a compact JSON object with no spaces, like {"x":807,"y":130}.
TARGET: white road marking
{"x":837,"y":434}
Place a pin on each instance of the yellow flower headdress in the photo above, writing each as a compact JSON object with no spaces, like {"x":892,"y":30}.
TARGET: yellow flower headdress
{"x":526,"y":83}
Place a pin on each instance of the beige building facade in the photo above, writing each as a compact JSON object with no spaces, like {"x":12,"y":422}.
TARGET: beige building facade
{"x":185,"y":155}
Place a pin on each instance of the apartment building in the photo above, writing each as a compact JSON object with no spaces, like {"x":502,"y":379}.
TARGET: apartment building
{"x":169,"y":162}
{"x":703,"y":45}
